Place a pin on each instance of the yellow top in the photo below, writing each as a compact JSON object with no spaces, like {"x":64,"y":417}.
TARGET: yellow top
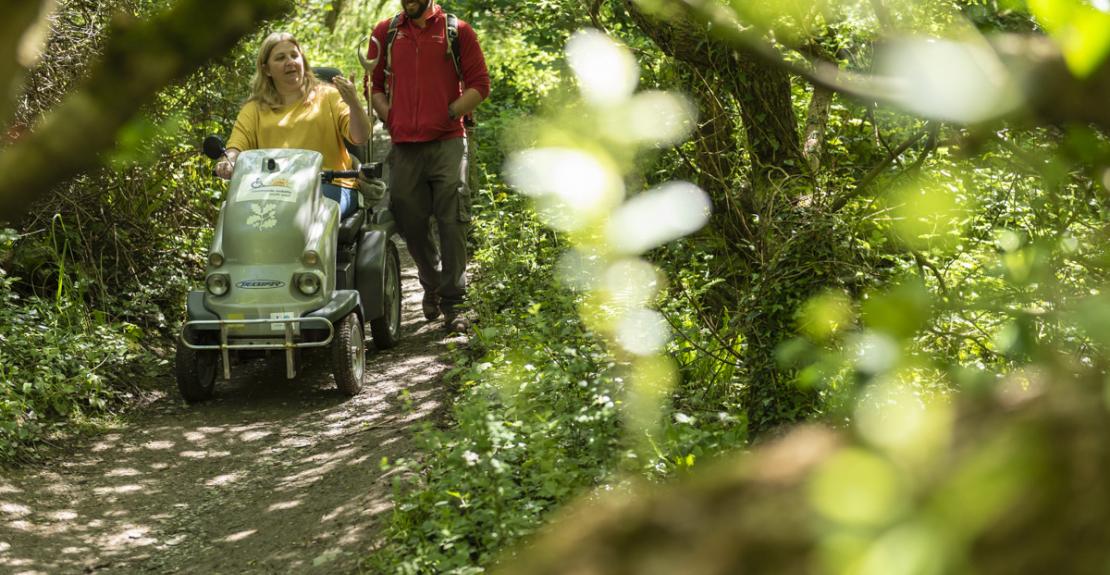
{"x":319,"y":123}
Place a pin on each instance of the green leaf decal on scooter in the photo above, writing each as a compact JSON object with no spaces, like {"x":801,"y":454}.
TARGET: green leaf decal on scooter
{"x":262,"y":216}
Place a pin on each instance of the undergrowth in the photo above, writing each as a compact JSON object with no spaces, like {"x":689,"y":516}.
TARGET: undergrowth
{"x":59,"y":366}
{"x":534,"y":421}
{"x":536,"y":417}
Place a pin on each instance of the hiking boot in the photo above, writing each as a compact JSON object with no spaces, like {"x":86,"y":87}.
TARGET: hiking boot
{"x":458,"y":324}
{"x":456,"y":320}
{"x":430,"y":305}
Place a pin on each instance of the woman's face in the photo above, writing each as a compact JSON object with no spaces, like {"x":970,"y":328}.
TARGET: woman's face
{"x":286,"y":66}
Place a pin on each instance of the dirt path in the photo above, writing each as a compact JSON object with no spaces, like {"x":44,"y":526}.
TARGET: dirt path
{"x":271,"y":477}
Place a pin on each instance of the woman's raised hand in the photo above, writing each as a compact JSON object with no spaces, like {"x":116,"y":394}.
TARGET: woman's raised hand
{"x":347,"y":91}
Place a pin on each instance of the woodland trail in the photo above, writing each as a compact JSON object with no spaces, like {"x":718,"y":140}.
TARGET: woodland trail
{"x":273,"y":476}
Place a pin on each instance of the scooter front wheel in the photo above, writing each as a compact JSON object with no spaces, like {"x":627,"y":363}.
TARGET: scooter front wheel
{"x":349,"y":355}
{"x":196,"y":373}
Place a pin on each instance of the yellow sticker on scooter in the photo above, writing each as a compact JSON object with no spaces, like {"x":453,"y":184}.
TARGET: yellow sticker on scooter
{"x":278,"y":189}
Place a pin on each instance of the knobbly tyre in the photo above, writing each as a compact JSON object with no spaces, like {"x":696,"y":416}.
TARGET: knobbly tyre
{"x":284,"y":274}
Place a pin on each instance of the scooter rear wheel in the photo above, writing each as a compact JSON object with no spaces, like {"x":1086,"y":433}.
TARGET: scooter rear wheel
{"x":386,"y":330}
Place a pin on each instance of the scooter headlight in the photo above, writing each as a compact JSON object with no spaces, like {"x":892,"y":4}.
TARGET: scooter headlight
{"x":310,"y":258}
{"x":218,"y":284}
{"x":308,"y":284}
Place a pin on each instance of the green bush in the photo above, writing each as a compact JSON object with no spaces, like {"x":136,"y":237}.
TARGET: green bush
{"x":58,"y":366}
{"x":536,"y":418}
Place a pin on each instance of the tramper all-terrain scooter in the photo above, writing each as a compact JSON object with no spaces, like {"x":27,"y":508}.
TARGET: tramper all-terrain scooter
{"x":285,"y":274}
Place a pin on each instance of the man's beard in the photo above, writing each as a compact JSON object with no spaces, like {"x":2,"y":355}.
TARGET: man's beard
{"x":419,"y":11}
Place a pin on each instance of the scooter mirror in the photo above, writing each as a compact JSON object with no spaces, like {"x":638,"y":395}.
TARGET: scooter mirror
{"x":327,"y":74}
{"x":213,"y":147}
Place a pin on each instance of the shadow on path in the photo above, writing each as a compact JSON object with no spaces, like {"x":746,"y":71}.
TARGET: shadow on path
{"x":273,"y":476}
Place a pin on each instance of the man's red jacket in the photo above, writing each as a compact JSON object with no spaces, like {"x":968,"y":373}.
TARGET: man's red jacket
{"x":423,"y":80}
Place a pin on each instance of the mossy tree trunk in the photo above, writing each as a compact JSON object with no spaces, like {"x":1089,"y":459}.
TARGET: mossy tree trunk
{"x":770,"y":235}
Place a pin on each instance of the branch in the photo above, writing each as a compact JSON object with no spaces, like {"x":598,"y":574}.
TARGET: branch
{"x":1034,"y":63}
{"x":16,"y":29}
{"x":140,"y":59}
{"x":749,"y":40}
{"x":678,"y":329}
{"x":923,"y":264}
{"x":595,"y":15}
{"x":844,"y":198}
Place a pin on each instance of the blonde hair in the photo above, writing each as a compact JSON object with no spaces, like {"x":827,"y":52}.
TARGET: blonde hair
{"x":262,"y":85}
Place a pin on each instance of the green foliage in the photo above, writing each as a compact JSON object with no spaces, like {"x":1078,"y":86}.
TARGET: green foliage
{"x":534,"y":422}
{"x":536,"y":419}
{"x":58,"y":364}
{"x":538,"y":414}
{"x":95,"y":276}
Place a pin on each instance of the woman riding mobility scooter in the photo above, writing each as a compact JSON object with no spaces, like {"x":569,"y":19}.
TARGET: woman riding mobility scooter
{"x":285,"y":274}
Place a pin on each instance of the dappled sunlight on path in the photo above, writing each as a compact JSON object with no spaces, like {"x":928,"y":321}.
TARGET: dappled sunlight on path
{"x":273,"y":476}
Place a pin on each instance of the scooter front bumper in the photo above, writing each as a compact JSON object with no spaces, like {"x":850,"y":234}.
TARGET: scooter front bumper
{"x":290,"y":328}
{"x":203,"y":320}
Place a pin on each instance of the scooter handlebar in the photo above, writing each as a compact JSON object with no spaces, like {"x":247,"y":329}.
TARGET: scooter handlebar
{"x":329,"y":175}
{"x":370,"y":170}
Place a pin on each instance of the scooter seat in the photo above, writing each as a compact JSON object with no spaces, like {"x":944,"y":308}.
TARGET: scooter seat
{"x":349,"y":227}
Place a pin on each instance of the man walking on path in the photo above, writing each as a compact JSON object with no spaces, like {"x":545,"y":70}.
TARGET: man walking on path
{"x":430,"y":75}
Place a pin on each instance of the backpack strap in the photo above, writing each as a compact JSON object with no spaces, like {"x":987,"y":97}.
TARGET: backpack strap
{"x":390,"y":36}
{"x":452,"y":29}
{"x":452,"y":25}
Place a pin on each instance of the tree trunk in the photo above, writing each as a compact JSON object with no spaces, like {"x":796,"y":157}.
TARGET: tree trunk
{"x":817,"y":121}
{"x":768,"y":269}
{"x":331,"y":17}
{"x":767,"y":112}
{"x":761,"y":90}
{"x":716,"y":159}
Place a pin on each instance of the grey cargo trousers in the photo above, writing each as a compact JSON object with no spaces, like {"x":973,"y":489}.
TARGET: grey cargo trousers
{"x":428,"y":181}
